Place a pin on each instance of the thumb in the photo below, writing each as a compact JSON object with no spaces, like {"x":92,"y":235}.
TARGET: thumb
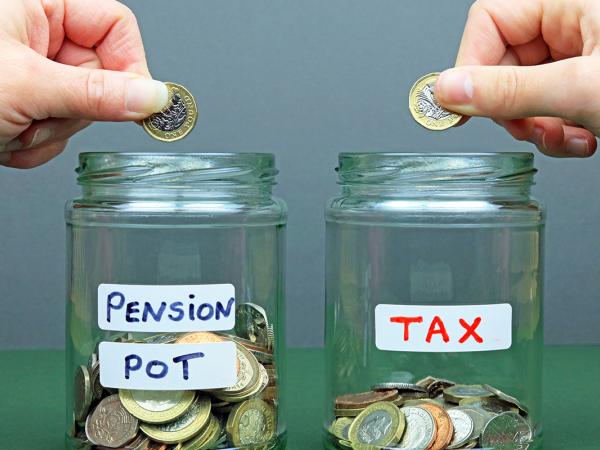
{"x":566,"y":89}
{"x":95,"y":94}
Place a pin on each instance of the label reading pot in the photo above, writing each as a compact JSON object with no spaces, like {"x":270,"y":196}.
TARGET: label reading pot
{"x":466,"y":328}
{"x":168,"y":366}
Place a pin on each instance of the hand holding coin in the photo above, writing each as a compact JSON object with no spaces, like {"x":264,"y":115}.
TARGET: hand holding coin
{"x":69,"y":69}
{"x":532,"y":68}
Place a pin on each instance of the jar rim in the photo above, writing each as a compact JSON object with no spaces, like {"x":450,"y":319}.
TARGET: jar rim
{"x":415,"y":168}
{"x":175,"y":168}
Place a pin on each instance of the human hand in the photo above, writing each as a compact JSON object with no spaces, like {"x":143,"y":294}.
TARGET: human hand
{"x":64,"y":63}
{"x":534,"y":67}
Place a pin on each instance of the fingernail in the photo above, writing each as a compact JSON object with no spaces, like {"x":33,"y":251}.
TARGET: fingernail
{"x":537,"y":136}
{"x":578,"y":146}
{"x":41,"y":135}
{"x":146,"y":96}
{"x":455,"y":87}
{"x":5,"y":157}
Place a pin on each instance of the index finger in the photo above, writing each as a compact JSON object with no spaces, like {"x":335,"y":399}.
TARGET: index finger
{"x":494,"y":25}
{"x":111,"y":29}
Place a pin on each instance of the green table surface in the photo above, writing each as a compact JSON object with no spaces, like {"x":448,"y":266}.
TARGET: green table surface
{"x":32,"y":397}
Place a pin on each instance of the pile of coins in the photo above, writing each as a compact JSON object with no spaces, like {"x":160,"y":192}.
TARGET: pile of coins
{"x":241,"y":416}
{"x":432,"y":414}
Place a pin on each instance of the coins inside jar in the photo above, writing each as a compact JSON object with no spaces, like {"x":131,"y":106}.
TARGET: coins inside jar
{"x":244,"y":413}
{"x":435,"y":414}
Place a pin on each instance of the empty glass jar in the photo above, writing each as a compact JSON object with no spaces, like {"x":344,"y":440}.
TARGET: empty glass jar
{"x":175,"y":328}
{"x":434,"y":303}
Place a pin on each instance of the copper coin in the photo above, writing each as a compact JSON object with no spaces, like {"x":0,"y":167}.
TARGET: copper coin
{"x":445,"y":429}
{"x":364,"y":399}
{"x":269,"y":394}
{"x":111,"y":425}
{"x":200,"y":337}
{"x":203,"y":337}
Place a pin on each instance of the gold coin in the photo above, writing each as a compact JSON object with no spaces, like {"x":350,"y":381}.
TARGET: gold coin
{"x":425,"y":108}
{"x":185,"y":427}
{"x":175,"y":121}
{"x":157,"y":406}
{"x":251,"y":422}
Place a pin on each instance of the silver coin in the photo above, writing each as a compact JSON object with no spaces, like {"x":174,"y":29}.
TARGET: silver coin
{"x":480,"y":418}
{"x":400,"y":387}
{"x":251,"y":323}
{"x":82,"y":391}
{"x":420,"y":429}
{"x":463,"y":427}
{"x":110,"y":424}
{"x":374,"y":427}
{"x":507,"y":431}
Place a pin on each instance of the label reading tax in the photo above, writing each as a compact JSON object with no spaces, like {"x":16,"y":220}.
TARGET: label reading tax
{"x":177,"y":308}
{"x":168,"y":367}
{"x":468,"y":328}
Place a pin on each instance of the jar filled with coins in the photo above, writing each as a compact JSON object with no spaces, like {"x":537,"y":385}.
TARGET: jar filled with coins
{"x":434,"y":303}
{"x":175,"y":303}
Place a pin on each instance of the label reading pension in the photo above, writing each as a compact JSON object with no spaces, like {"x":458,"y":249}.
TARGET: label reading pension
{"x":467,"y":328}
{"x":178,"y":308}
{"x":168,"y":367}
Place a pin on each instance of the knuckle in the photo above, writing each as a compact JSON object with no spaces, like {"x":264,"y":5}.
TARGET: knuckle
{"x":507,"y":88}
{"x":584,"y":76}
{"x":96,"y":90}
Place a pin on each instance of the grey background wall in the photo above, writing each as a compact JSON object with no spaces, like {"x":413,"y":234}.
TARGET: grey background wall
{"x":304,"y":80}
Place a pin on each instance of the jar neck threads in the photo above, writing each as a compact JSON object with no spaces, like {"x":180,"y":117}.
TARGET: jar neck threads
{"x":426,"y":175}
{"x":181,"y":176}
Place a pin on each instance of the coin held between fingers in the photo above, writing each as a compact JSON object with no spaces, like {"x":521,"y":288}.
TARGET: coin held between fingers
{"x":146,"y":96}
{"x":425,"y":108}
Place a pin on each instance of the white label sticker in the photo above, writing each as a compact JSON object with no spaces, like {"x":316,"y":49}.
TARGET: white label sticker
{"x":168,"y":367}
{"x":196,"y":307}
{"x":469,"y":328}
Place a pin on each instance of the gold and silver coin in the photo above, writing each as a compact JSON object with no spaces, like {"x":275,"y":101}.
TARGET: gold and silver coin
{"x":175,"y":121}
{"x":341,"y":427}
{"x":184,"y":428}
{"x":425,"y":108}
{"x":458,"y":392}
{"x":250,"y":422}
{"x":205,"y":439}
{"x":380,"y":424}
{"x":157,"y":406}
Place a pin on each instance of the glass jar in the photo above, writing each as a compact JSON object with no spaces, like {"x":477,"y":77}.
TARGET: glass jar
{"x":175,"y":307}
{"x":434,"y":333}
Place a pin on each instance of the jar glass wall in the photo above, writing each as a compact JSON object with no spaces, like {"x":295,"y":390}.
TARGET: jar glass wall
{"x":434,"y":333}
{"x":175,"y":330}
